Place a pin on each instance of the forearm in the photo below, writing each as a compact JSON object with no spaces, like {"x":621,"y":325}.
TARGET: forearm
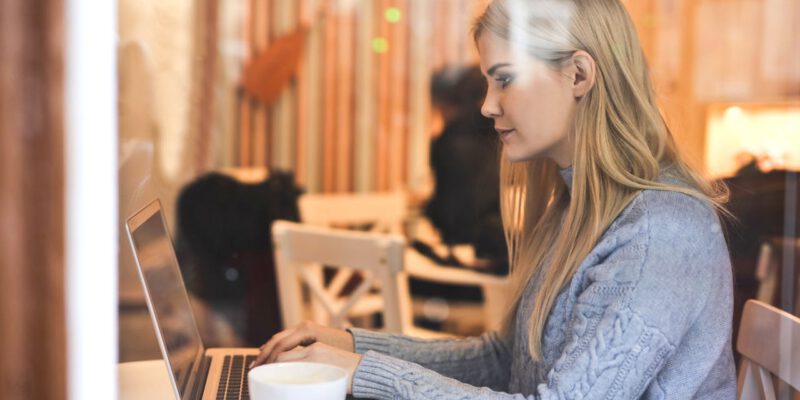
{"x":479,"y":361}
{"x":614,"y":359}
{"x":379,"y":377}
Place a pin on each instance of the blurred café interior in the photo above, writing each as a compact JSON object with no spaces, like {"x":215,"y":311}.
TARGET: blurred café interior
{"x":349,"y":115}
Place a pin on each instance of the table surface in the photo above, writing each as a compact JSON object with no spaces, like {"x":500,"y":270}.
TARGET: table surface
{"x":147,"y":380}
{"x":144,"y":380}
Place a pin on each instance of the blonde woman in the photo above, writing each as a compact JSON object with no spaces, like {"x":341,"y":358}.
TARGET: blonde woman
{"x":624,"y":286}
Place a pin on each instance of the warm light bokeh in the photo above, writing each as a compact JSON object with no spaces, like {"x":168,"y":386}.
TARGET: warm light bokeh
{"x":770,"y":133}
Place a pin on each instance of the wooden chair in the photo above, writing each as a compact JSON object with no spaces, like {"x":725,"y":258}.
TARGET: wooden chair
{"x":493,"y":288}
{"x":382,"y":212}
{"x":386,"y":212}
{"x":769,"y":342}
{"x":300,"y":252}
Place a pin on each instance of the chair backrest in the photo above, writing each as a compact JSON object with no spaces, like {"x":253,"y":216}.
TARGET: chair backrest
{"x":300,"y":252}
{"x":769,"y":342}
{"x":387,"y":211}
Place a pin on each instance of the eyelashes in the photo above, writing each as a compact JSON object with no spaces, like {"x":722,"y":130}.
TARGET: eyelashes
{"x":504,"y":81}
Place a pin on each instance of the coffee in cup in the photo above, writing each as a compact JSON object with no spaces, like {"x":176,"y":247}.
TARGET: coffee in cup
{"x":297,"y":381}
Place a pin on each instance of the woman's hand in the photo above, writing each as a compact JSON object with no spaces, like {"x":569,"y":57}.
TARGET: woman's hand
{"x":303,"y":334}
{"x":322,"y":353}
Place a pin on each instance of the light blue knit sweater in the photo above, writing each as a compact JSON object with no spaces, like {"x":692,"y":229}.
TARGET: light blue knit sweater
{"x":647,"y":315}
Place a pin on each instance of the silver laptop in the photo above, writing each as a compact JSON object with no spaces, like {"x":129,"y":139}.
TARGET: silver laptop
{"x":195,"y":372}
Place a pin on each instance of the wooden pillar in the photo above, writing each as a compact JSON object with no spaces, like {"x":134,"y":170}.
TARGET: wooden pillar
{"x":384,"y":99}
{"x":32,"y":320}
{"x":344,"y":103}
{"x":329,"y":87}
{"x":202,"y":109}
{"x":367,"y":100}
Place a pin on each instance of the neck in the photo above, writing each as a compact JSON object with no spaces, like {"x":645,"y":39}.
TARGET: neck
{"x":566,"y":174}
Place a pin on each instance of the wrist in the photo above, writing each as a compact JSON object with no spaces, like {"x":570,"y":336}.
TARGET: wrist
{"x":357,"y":362}
{"x":351,"y":342}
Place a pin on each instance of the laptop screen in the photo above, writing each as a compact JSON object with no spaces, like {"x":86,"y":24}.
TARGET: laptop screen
{"x":163,"y":284}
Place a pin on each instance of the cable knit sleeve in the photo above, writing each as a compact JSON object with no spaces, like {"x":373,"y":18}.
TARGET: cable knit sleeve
{"x":479,"y":361}
{"x":631,"y":302}
{"x":613,"y":355}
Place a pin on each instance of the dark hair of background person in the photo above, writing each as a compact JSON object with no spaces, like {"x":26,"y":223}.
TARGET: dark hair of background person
{"x":465,"y":206}
{"x":224,"y":246}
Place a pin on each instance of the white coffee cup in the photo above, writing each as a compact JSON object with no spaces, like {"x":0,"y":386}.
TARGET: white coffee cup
{"x":297,"y":381}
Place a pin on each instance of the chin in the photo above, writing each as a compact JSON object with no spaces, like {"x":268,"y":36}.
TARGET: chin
{"x":516,"y":157}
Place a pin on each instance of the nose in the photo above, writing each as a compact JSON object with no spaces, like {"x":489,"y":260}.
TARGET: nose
{"x":491,"y":107}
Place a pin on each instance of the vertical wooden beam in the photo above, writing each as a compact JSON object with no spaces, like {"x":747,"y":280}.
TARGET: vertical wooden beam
{"x":268,"y":118}
{"x":398,"y":95}
{"x":476,"y":8}
{"x":313,"y":105}
{"x":384,"y":100}
{"x":460,"y":41}
{"x":329,"y":96}
{"x":439,"y":36}
{"x":453,"y":29}
{"x":260,"y":17}
{"x":202,"y":111}
{"x":344,"y":100}
{"x":243,"y":99}
{"x":32,"y":294}
{"x":283,"y":126}
{"x":420,"y":65}
{"x":671,"y":70}
{"x":691,"y":140}
{"x":366,"y":97}
{"x":304,"y":14}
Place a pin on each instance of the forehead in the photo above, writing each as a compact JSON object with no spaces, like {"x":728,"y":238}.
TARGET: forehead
{"x":492,"y":50}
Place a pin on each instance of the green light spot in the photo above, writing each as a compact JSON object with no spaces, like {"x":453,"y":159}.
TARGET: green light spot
{"x":380,"y":45}
{"x":393,"y":14}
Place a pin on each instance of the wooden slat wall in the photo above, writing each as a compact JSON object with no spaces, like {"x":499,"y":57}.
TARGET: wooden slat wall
{"x":383,"y":99}
{"x":398,"y":109}
{"x":665,"y":31}
{"x":328,"y":94}
{"x":345,"y":68}
{"x":366,"y":99}
{"x":438,"y":15}
{"x":358,"y":120}
{"x":260,"y":35}
{"x":204,"y":70}
{"x":284,"y":112}
{"x":310,"y":153}
{"x":304,"y":14}
{"x":243,"y":101}
{"x":419,"y":74}
{"x":32,"y":306}
{"x":354,"y":119}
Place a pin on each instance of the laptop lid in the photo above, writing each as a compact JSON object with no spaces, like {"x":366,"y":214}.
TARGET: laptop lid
{"x":166,"y":295}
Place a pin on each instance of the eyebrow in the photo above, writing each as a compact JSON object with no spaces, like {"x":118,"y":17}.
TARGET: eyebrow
{"x":495,"y":67}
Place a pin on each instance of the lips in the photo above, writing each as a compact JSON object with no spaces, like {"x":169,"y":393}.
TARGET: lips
{"x":503,"y":132}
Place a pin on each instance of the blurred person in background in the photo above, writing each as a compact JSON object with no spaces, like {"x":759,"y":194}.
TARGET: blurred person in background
{"x":465,"y":205}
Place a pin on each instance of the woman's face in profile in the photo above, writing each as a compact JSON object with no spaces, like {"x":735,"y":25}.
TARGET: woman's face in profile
{"x":532,"y":104}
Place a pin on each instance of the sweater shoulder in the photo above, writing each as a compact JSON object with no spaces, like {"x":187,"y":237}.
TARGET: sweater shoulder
{"x":667,"y":212}
{"x":659,"y":232}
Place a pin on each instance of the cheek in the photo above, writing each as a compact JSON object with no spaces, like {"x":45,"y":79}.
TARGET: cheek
{"x":544,"y":112}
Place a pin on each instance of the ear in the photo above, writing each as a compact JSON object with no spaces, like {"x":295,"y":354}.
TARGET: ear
{"x":582,"y":70}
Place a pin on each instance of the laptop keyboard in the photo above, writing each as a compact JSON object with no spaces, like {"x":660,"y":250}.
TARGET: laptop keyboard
{"x":233,"y":380}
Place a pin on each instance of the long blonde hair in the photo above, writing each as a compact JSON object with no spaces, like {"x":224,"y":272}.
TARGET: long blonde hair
{"x":622,"y":146}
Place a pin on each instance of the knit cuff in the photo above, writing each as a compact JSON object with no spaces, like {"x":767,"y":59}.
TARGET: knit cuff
{"x":366,"y":340}
{"x":376,"y":375}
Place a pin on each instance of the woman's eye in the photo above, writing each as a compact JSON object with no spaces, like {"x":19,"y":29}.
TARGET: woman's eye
{"x":504,"y":81}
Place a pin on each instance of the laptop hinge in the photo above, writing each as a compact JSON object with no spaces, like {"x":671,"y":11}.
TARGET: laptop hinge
{"x":200,"y":378}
